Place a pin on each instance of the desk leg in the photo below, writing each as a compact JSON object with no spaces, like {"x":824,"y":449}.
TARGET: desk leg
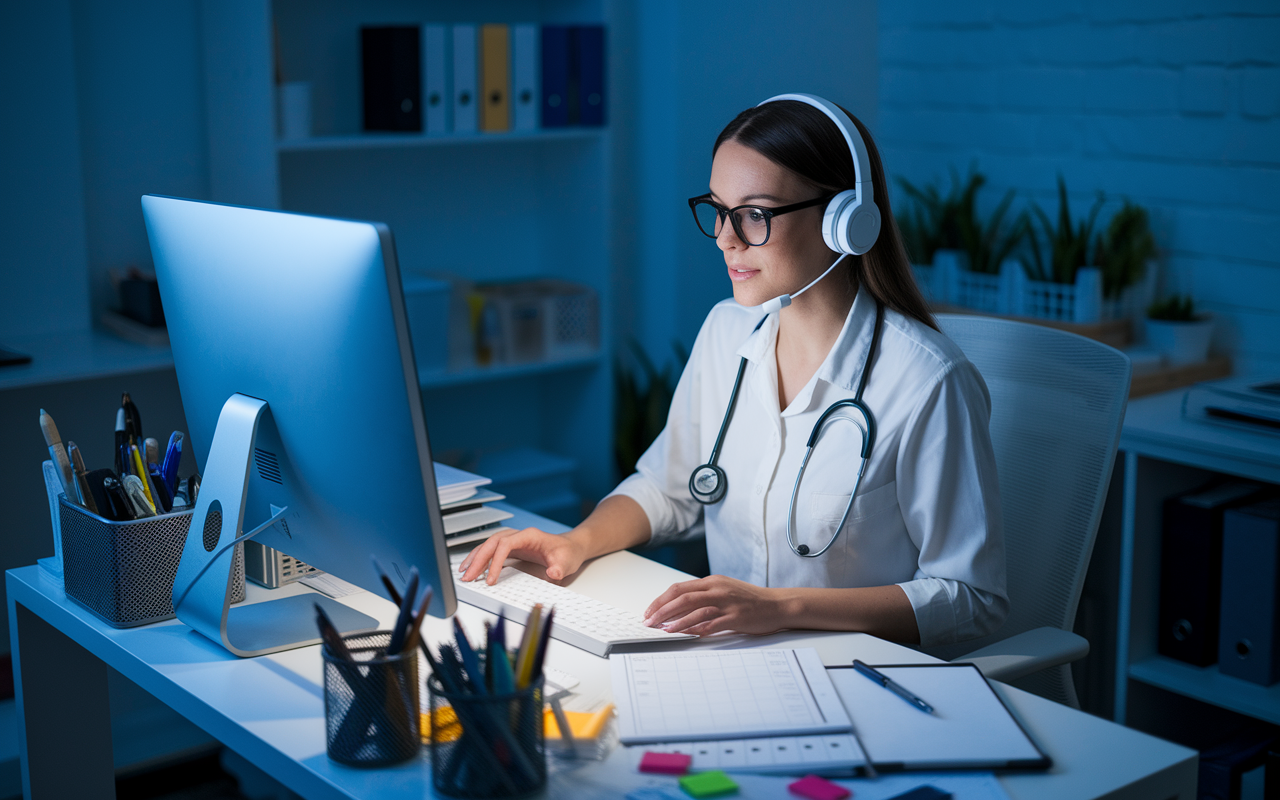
{"x":64,"y":714}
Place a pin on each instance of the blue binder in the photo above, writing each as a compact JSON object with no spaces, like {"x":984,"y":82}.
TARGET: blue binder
{"x":555,"y":76}
{"x":1248,"y":639}
{"x":589,"y":46}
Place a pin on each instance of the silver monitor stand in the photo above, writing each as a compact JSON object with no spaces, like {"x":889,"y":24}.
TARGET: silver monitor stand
{"x":202,"y":589}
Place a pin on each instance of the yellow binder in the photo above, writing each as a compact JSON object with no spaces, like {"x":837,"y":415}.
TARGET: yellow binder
{"x":495,"y":77}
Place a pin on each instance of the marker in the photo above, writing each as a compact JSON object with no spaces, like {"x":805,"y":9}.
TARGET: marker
{"x":122,"y":509}
{"x":82,"y":484}
{"x":59,"y":455}
{"x":160,"y":490}
{"x":886,"y":682}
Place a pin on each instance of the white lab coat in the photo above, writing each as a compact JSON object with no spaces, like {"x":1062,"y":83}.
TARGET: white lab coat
{"x":927,"y":516}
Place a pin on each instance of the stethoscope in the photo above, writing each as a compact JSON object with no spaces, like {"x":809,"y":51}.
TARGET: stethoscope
{"x":708,"y":482}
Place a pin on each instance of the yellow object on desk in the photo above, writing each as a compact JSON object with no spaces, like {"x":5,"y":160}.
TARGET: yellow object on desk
{"x":583,"y":725}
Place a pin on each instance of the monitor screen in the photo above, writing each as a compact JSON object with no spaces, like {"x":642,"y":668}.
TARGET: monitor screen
{"x":307,"y":314}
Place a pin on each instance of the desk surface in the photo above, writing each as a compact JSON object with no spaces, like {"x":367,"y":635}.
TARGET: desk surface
{"x":271,"y":709}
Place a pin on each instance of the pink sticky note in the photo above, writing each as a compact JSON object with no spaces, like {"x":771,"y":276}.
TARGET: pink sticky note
{"x":665,"y":763}
{"x":816,"y":788}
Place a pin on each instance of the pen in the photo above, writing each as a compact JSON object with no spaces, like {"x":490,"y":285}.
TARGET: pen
{"x":886,"y":682}
{"x":122,"y":439}
{"x":160,"y":489}
{"x":122,"y":509}
{"x":541,"y":653}
{"x":172,"y":458}
{"x":77,"y":466}
{"x":150,"y":451}
{"x":59,"y":455}
{"x":140,"y":470}
{"x":132,"y":419}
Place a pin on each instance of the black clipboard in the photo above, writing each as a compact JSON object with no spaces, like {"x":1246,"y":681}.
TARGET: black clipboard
{"x":971,"y":728}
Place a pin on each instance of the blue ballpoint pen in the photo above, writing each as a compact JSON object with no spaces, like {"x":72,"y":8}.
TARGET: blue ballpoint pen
{"x":888,"y":683}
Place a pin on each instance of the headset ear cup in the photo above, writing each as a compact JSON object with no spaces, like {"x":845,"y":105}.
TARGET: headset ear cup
{"x":835,"y":221}
{"x":863,"y":229}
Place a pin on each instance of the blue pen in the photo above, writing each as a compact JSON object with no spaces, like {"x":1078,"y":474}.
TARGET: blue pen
{"x":888,"y":683}
{"x":470,"y":661}
{"x":172,"y":457}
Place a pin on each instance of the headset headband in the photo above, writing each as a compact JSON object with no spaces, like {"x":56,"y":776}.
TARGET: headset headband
{"x":858,"y":148}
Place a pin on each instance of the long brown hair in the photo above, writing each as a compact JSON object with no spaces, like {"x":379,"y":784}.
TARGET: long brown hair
{"x":799,"y":137}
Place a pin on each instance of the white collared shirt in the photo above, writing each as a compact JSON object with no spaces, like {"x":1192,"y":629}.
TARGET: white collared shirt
{"x":927,"y":516}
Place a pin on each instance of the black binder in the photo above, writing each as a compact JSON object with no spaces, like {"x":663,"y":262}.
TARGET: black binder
{"x":1191,"y":570}
{"x":391,"y":69}
{"x":1249,"y":644}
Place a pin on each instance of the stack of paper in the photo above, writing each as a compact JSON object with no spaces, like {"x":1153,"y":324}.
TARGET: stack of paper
{"x":464,"y":506}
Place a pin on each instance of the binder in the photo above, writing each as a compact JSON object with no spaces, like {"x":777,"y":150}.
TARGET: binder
{"x":589,"y":52}
{"x":1249,"y":644}
{"x":435,"y":78}
{"x":525,"y":94}
{"x":391,"y":72}
{"x":1191,"y":570}
{"x":465,"y":83}
{"x":555,"y":76}
{"x":495,"y":77}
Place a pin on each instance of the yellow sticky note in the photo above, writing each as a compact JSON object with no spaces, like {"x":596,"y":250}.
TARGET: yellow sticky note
{"x":584,"y":725}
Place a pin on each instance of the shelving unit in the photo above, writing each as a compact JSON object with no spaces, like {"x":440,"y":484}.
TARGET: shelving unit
{"x":482,"y":206}
{"x":1163,"y":455}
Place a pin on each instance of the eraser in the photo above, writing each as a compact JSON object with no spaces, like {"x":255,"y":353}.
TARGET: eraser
{"x":708,"y":784}
{"x":816,"y":788}
{"x":666,"y":763}
{"x":655,"y":793}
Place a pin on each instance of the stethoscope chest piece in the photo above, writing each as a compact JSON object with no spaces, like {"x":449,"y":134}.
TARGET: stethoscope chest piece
{"x":708,"y":483}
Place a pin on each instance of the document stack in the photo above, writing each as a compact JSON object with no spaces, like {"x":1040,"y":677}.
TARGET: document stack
{"x":1246,"y":404}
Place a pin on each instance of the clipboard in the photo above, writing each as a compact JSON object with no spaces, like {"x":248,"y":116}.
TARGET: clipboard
{"x":971,"y":728}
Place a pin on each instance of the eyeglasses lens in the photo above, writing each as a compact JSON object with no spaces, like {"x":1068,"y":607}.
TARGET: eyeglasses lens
{"x":750,"y":223}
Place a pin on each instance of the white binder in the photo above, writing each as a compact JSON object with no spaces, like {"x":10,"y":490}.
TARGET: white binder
{"x":437,"y":99}
{"x":465,"y":79}
{"x":525,"y":89}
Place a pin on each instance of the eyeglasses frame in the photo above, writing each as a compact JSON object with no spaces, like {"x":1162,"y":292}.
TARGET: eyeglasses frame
{"x":769,"y":213}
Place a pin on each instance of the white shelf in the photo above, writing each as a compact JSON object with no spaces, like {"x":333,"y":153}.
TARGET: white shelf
{"x":369,"y":141}
{"x":1209,"y":685}
{"x":78,"y":355}
{"x":437,"y":380}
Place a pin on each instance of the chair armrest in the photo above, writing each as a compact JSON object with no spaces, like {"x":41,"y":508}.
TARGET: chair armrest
{"x":1028,"y":652}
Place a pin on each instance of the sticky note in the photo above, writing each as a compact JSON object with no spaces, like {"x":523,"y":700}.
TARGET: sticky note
{"x":708,"y":784}
{"x":666,"y":763}
{"x":585,"y":725}
{"x":815,"y":788}
{"x":655,"y":793}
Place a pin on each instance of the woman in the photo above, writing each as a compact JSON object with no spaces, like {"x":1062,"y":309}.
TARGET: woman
{"x":919,"y":556}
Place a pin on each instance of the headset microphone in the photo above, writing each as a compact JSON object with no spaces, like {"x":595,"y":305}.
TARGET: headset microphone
{"x":782,"y":301}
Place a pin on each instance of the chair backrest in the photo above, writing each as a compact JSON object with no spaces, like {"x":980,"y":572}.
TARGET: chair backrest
{"x":1057,"y":406}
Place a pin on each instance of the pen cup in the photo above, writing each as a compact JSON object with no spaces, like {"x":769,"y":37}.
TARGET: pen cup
{"x":371,"y":715}
{"x":487,"y":746}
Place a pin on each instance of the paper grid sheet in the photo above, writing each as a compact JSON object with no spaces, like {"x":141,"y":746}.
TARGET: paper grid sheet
{"x":724,"y":694}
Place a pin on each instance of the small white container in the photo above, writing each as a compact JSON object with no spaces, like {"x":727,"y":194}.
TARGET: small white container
{"x":1181,"y":342}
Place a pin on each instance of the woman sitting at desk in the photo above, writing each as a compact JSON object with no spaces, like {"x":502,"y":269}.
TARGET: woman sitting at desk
{"x":890,"y":524}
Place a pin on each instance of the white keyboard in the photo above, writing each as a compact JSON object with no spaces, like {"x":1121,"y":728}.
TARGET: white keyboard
{"x":580,"y":620}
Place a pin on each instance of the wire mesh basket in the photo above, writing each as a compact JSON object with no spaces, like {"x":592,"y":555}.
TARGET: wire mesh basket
{"x":371,"y":703}
{"x":123,"y":572}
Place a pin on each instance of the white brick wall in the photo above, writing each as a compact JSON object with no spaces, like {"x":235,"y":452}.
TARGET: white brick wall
{"x":1175,"y":105}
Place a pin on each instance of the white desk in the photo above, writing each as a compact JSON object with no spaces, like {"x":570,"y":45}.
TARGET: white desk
{"x":270,"y":709}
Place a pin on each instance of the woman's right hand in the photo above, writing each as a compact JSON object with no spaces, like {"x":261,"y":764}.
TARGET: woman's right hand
{"x":560,"y":554}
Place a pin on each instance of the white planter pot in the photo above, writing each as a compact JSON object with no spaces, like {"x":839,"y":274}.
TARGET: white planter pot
{"x":1180,"y":342}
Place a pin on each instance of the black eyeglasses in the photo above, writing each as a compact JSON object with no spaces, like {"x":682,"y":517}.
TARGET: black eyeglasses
{"x":751,"y":223}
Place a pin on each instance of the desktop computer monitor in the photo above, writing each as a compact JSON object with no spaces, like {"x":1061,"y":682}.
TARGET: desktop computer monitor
{"x":306,"y":314}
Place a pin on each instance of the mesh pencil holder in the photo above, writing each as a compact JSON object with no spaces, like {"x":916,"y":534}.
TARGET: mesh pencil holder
{"x":123,"y":572}
{"x":371,"y":716}
{"x":487,"y":746}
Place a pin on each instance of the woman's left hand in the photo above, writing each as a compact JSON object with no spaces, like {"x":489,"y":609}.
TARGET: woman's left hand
{"x":713,"y":604}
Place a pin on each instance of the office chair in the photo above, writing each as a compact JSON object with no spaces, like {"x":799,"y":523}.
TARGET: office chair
{"x":1057,"y":406}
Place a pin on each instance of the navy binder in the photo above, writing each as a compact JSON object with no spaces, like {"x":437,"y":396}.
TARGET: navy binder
{"x":589,"y":52}
{"x":1248,"y":639}
{"x":555,"y":76}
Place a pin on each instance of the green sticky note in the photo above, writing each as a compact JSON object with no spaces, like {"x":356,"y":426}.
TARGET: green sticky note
{"x":708,"y":784}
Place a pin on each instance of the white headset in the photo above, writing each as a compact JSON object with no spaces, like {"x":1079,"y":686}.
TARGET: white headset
{"x":851,"y":222}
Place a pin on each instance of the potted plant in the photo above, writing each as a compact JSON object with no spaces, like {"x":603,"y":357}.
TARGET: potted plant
{"x":1123,"y":252}
{"x":1181,"y":335}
